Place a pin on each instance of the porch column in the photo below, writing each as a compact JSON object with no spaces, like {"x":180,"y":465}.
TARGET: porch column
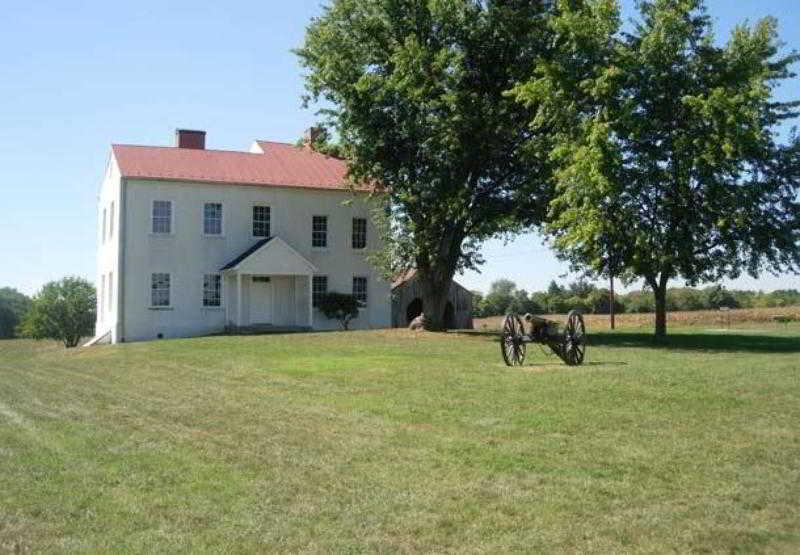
{"x":238,"y":299}
{"x":310,"y":301}
{"x":226,"y":300}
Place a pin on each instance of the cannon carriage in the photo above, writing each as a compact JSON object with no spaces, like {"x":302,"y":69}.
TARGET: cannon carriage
{"x":569,"y":343}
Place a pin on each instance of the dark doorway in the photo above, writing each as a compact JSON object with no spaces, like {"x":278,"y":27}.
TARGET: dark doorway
{"x":449,"y":316}
{"x":413,"y":310}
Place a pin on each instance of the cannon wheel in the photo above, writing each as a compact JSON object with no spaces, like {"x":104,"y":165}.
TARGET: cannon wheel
{"x":512,"y":346}
{"x":574,"y":339}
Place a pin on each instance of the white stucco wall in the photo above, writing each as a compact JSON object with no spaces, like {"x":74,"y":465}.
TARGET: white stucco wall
{"x":187,"y":254}
{"x":107,"y":280}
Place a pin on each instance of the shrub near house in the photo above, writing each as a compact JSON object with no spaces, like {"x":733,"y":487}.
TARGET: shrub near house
{"x":339,"y":306}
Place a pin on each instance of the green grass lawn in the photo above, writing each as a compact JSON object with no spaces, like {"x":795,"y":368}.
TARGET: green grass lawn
{"x":390,"y":441}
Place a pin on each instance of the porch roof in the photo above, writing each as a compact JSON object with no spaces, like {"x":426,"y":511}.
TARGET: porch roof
{"x":270,"y":256}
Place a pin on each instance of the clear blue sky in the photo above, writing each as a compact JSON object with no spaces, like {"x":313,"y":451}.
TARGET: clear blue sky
{"x":77,"y":76}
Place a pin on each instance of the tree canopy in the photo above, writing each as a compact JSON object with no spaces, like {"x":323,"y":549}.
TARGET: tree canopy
{"x":668,"y":149}
{"x":417,"y":91}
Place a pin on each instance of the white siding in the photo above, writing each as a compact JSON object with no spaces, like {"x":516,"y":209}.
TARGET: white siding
{"x":108,"y":254}
{"x":187,"y":254}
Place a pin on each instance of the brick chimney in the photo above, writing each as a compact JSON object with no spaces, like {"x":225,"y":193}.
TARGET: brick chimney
{"x":186,"y":138}
{"x":311,"y":135}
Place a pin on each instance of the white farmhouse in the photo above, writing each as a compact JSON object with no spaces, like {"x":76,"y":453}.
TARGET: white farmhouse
{"x":195,"y":241}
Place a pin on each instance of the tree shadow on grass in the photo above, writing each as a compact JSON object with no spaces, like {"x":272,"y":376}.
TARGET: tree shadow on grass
{"x":729,"y":342}
{"x":700,"y":342}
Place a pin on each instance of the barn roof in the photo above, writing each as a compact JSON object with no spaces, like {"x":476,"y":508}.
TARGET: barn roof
{"x":409,"y":275}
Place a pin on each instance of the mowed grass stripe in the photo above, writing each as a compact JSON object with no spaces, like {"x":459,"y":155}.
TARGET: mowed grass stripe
{"x":401,"y":442}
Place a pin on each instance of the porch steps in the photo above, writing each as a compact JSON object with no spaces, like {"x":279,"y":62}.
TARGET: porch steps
{"x":98,"y":339}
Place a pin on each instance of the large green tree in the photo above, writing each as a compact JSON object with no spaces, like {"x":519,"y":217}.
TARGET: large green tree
{"x":669,"y":154}
{"x":417,"y":91}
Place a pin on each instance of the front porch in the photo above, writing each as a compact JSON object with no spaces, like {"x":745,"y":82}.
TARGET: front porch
{"x":269,"y":286}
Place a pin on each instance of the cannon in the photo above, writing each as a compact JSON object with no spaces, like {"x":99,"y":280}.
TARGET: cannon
{"x":569,"y":343}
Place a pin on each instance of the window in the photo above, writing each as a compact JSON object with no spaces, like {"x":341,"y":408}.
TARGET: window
{"x":319,"y":287}
{"x":260,"y":279}
{"x":212,"y":290}
{"x":111,"y":221}
{"x":162,"y":216}
{"x":360,"y":289}
{"x":212,"y":218}
{"x":104,"y":226}
{"x":359,"y":233}
{"x":319,"y":232}
{"x":261,"y":221}
{"x":159,"y":290}
{"x":111,"y":291}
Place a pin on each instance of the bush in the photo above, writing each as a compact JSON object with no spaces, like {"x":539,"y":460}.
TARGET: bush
{"x":339,"y":306}
{"x":718,"y":297}
{"x":63,"y":310}
{"x":640,"y":302}
{"x":599,"y":301}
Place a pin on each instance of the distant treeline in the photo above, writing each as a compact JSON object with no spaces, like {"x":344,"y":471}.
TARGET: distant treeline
{"x":504,"y":297}
{"x":13,"y":307}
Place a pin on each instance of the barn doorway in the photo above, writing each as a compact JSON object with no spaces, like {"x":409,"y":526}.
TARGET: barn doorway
{"x":449,"y":316}
{"x":415,"y":307}
{"x":413,"y":310}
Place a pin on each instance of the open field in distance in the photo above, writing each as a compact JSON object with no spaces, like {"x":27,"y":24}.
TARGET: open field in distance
{"x":705,"y":318}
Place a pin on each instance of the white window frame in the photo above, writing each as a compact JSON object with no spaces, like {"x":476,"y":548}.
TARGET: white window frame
{"x":253,"y":221}
{"x":171,"y":218}
{"x":169,"y":291}
{"x":327,"y":233}
{"x":314,"y":301}
{"x":103,"y":232}
{"x":213,"y":306}
{"x":353,"y":233}
{"x":221,"y":219}
{"x":363,"y":302}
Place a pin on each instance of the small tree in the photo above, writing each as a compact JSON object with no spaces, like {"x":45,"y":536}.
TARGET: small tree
{"x":63,"y":310}
{"x":339,"y":306}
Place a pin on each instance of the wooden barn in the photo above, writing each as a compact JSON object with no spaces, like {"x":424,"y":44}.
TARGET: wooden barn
{"x":407,"y":303}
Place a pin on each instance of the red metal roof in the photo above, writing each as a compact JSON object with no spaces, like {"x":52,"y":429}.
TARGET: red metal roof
{"x":281,"y":165}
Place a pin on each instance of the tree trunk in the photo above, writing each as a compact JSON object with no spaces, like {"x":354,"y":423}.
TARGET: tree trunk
{"x":660,"y":292}
{"x":435,"y":270}
{"x":611,"y":309}
{"x":434,"y":299}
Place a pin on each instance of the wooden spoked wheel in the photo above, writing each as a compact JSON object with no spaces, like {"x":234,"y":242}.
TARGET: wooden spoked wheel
{"x":574,"y":339}
{"x":512,"y":345}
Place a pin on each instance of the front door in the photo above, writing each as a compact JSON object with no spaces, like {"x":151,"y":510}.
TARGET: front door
{"x":260,"y":300}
